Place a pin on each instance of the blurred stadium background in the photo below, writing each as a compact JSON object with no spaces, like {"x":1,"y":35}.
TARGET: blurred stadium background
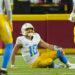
{"x":50,"y":19}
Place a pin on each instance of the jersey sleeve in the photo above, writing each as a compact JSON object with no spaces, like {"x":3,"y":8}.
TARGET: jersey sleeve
{"x":18,"y":40}
{"x":38,"y":36}
{"x":74,"y":2}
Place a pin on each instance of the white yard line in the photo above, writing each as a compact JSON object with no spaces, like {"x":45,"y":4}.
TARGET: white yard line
{"x":45,"y":73}
{"x":69,"y":73}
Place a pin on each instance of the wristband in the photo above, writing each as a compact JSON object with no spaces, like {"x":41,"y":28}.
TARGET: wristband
{"x":57,"y":47}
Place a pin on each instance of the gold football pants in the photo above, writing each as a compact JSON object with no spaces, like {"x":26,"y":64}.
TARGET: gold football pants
{"x":45,"y":59}
{"x":5,"y":31}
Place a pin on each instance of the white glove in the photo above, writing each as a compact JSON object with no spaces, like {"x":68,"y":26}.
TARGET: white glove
{"x":12,"y":66}
{"x":57,"y":47}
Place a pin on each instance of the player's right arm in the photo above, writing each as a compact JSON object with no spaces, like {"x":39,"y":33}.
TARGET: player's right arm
{"x":16,"y":47}
{"x":44,"y":44}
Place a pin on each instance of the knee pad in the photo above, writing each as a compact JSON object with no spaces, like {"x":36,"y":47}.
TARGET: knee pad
{"x":59,"y":54}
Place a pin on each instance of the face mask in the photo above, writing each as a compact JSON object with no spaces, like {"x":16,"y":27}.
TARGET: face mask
{"x":30,"y":34}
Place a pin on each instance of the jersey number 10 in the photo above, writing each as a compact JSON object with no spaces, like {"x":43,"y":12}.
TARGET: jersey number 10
{"x":33,"y":50}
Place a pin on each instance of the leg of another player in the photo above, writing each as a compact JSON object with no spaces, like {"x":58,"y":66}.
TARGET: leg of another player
{"x":74,"y":34}
{"x":7,"y":39}
{"x":6,"y":57}
{"x":72,"y":13}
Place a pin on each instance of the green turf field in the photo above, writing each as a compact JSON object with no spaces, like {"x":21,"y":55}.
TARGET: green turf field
{"x":24,"y":69}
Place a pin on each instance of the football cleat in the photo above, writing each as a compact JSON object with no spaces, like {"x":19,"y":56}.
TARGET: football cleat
{"x":2,"y":72}
{"x":71,"y":66}
{"x":59,"y":66}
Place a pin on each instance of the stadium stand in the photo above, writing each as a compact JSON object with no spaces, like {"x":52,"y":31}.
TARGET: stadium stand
{"x":21,"y":7}
{"x":42,"y":6}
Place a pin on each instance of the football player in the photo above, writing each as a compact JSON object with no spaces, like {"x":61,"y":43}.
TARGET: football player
{"x":72,"y":15}
{"x":6,"y":33}
{"x":28,"y":43}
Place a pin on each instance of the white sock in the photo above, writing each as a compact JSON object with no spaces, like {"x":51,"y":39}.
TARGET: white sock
{"x":3,"y":69}
{"x":68,"y":63}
